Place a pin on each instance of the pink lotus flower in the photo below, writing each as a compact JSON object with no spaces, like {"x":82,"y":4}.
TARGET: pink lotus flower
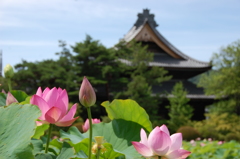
{"x":202,"y":144}
{"x":53,"y":104}
{"x":193,"y":143}
{"x":87,"y":95}
{"x":160,"y":143}
{"x":85,"y":126}
{"x":3,"y":91}
{"x":10,"y":99}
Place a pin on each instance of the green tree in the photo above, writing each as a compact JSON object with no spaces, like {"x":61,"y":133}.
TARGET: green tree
{"x":27,"y":77}
{"x":67,"y":63}
{"x":140,"y":76}
{"x":122,"y":71}
{"x":4,"y":84}
{"x":180,"y":112}
{"x":98,"y":63}
{"x":224,"y":80}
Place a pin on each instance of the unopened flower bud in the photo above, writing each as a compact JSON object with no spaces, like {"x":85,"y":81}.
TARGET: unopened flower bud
{"x":10,"y":99}
{"x":87,"y":96}
{"x":86,"y":125}
{"x":8,"y":71}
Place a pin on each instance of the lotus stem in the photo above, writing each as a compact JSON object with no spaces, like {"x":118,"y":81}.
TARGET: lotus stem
{"x":48,"y":139}
{"x":90,"y":133}
{"x":98,"y":153}
{"x":9,"y":84}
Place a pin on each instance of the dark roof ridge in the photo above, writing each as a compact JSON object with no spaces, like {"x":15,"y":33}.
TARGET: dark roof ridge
{"x":143,"y":16}
{"x":173,"y":48}
{"x":135,"y":30}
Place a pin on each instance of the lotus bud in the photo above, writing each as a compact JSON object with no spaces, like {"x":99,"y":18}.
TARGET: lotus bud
{"x":8,"y":71}
{"x":87,"y":96}
{"x":3,"y":91}
{"x":10,"y":99}
{"x":86,"y":125}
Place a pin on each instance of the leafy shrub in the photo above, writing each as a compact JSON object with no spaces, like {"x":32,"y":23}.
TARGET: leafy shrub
{"x":218,"y":126}
{"x":232,"y":136}
{"x":180,"y":112}
{"x":188,"y":133}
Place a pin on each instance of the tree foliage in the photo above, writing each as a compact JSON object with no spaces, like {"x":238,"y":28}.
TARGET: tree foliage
{"x":180,"y":112}
{"x":223,"y":81}
{"x":3,"y":84}
{"x":141,"y":77}
{"x":119,"y":72}
{"x":97,"y":62}
{"x":219,"y":126}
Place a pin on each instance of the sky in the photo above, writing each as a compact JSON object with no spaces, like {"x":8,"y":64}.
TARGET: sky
{"x":30,"y":29}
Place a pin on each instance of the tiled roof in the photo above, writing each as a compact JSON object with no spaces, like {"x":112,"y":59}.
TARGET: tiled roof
{"x":159,"y":60}
{"x":167,"y":61}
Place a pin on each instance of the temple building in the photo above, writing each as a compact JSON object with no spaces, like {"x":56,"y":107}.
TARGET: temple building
{"x":181,"y":66}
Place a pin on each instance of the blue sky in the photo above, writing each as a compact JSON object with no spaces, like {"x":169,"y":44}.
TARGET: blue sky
{"x":31,"y":29}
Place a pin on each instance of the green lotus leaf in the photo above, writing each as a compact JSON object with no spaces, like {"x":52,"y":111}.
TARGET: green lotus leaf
{"x":67,"y":152}
{"x":119,"y":133}
{"x":17,"y":125}
{"x":2,"y":99}
{"x":19,"y":95}
{"x":40,"y":131}
{"x":37,"y":146}
{"x":73,"y":134}
{"x":128,"y":110}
